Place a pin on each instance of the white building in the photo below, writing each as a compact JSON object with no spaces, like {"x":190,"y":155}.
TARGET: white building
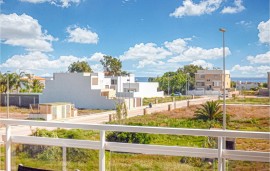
{"x":94,"y":91}
{"x":126,"y":86}
{"x":84,"y":90}
{"x":246,"y":85}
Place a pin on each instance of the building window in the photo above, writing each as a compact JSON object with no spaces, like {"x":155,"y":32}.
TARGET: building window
{"x":202,"y":76}
{"x":216,"y":76}
{"x":94,"y":81}
{"x":200,"y":83}
{"x":208,"y":80}
{"x":113,"y":82}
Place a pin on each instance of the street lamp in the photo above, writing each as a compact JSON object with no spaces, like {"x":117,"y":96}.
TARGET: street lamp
{"x":224,"y":97}
{"x":129,"y":92}
{"x":168,"y":86}
{"x":224,"y":78}
{"x":8,"y":93}
{"x":187,"y":85}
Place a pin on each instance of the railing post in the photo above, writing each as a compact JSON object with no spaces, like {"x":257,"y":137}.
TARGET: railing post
{"x":64,"y":156}
{"x":102,"y":151}
{"x":220,"y":150}
{"x":8,"y":148}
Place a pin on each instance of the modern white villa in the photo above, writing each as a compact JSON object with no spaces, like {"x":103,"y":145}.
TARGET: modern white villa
{"x":95,"y":91}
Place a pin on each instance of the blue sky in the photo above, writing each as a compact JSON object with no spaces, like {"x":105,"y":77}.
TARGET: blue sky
{"x":149,"y":36}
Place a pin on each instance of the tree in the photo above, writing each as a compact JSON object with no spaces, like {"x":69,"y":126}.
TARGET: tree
{"x":112,"y":66}
{"x":79,"y":67}
{"x":191,"y":69}
{"x":209,"y":111}
{"x":3,"y":84}
{"x":37,"y":86}
{"x":233,"y":84}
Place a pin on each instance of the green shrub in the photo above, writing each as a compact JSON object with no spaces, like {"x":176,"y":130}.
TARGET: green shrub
{"x":128,"y":137}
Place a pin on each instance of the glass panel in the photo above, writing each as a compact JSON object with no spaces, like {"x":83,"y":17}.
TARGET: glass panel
{"x":2,"y":156}
{"x":51,"y":157}
{"x":134,"y":162}
{"x":36,"y":156}
{"x":246,"y":165}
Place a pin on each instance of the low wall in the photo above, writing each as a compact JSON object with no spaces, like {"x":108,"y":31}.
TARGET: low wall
{"x":205,"y":92}
{"x":20,"y":99}
{"x":46,"y":117}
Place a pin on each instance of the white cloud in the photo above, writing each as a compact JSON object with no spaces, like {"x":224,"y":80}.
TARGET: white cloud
{"x":191,"y":9}
{"x":238,"y":7}
{"x":81,"y":35}
{"x":38,"y":62}
{"x":176,"y":50}
{"x":202,"y":63}
{"x":176,"y":46}
{"x":252,"y":70}
{"x":60,"y":3}
{"x":196,"y":53}
{"x":263,"y":69}
{"x":143,"y":63}
{"x":147,"y":54}
{"x":97,"y":56}
{"x":244,"y":23}
{"x":97,"y":68}
{"x":264,"y":32}
{"x":1,"y":1}
{"x":242,"y":68}
{"x":23,"y":30}
{"x":260,"y":59}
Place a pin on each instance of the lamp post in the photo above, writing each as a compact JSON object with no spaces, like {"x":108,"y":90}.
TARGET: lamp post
{"x":168,"y":86}
{"x":224,"y":78}
{"x":129,"y":92}
{"x":187,"y":85}
{"x":8,"y":94}
{"x":223,"y":166}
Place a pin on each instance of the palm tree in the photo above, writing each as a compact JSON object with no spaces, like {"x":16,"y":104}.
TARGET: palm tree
{"x":210,"y":110}
{"x":3,"y":84}
{"x":37,"y":86}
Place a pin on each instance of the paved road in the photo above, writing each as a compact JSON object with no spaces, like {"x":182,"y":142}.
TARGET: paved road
{"x":100,"y":118}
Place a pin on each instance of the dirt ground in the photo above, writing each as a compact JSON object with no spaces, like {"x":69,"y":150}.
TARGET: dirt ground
{"x":236,"y":112}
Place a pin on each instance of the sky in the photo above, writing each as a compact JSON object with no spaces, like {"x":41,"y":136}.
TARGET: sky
{"x":150,"y":37}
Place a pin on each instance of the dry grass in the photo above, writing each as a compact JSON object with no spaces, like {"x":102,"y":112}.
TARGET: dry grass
{"x":236,"y":112}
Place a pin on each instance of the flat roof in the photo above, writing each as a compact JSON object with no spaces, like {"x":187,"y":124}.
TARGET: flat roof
{"x":55,"y":103}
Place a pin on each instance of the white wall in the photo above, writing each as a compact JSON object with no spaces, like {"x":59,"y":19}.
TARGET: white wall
{"x":75,"y":88}
{"x":121,"y":80}
{"x":246,"y":86}
{"x":144,"y":89}
{"x":205,"y":92}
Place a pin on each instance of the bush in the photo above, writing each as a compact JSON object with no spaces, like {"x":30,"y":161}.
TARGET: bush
{"x":129,"y":137}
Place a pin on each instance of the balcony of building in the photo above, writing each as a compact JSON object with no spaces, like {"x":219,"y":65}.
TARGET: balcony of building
{"x":105,"y":151}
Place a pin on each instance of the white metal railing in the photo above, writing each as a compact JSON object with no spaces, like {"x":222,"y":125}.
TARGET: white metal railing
{"x":219,"y":153}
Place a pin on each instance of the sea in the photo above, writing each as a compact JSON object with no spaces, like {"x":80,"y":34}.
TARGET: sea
{"x":242,"y":79}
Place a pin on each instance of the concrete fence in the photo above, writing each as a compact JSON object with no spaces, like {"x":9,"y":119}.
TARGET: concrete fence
{"x":20,"y":99}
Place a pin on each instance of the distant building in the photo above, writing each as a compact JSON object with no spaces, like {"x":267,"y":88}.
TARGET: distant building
{"x":96,"y":91}
{"x":84,"y":90}
{"x":212,"y":80}
{"x":246,"y":85}
{"x":126,"y":87}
